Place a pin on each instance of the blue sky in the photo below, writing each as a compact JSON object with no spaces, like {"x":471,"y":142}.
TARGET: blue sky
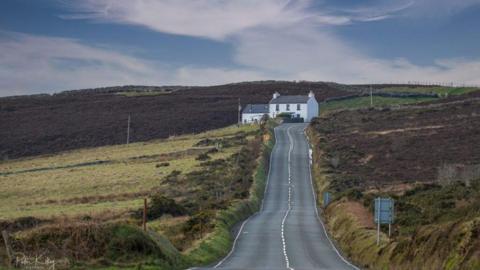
{"x":53,"y":45}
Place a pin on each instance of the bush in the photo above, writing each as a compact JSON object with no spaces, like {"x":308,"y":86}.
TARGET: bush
{"x":335,"y":161}
{"x":173,"y":177}
{"x":161,"y":205}
{"x":284,"y":115}
{"x":450,"y":173}
{"x":163,"y":164}
{"x":128,"y":243}
{"x":200,"y":223}
{"x":203,"y":157}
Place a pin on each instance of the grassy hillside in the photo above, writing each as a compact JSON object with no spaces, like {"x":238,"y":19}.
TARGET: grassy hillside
{"x":445,"y":94}
{"x":83,"y":207}
{"x":426,"y":157}
{"x":97,"y":179}
{"x":365,"y":102}
{"x":442,"y":90}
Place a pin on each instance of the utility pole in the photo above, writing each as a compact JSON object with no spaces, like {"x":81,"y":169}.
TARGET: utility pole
{"x":371,"y":97}
{"x":378,"y":221}
{"x":128,"y":130}
{"x":239,"y":113}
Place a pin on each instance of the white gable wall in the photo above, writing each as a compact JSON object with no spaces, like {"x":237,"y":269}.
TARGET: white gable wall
{"x":312,"y":109}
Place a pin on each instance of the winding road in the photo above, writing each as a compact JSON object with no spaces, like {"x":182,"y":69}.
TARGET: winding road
{"x":287,"y":232}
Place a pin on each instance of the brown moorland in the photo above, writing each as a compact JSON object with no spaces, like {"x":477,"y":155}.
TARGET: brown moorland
{"x":44,"y":124}
{"x":378,"y":147}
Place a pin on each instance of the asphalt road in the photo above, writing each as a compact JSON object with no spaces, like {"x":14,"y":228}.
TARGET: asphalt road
{"x":286,"y":233}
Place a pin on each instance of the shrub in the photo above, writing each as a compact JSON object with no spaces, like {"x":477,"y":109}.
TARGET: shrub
{"x":128,"y":243}
{"x":163,"y":164}
{"x":284,"y":115}
{"x":450,"y":173}
{"x":212,"y":151}
{"x":199,"y":224}
{"x":173,"y":177}
{"x":202,"y":157}
{"x":161,"y":205}
{"x":335,"y":161}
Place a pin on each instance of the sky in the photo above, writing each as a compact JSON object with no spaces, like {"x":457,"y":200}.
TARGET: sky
{"x":48,"y":46}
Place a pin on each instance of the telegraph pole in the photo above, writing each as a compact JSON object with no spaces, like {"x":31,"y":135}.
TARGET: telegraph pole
{"x":128,"y":130}
{"x":239,"y":113}
{"x":371,"y":96}
{"x":378,"y":220}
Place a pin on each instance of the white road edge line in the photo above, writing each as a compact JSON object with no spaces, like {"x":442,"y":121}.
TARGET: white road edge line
{"x":261,"y":207}
{"x":287,"y":261}
{"x":316,"y":209}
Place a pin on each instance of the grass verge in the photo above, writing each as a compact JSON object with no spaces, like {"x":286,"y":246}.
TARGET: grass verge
{"x":218,"y":243}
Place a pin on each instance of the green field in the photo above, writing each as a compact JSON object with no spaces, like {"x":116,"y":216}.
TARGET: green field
{"x":364,"y":102}
{"x":442,"y":90}
{"x":90,"y":181}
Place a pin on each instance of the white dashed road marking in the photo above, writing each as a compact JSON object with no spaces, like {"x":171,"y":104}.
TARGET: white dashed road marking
{"x":287,"y":261}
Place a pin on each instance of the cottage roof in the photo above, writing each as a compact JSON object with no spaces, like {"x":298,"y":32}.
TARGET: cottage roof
{"x":289,"y":99}
{"x":256,"y":108}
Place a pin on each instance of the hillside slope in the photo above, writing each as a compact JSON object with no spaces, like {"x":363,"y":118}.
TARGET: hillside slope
{"x":83,"y":208}
{"x":43,"y":124}
{"x":427,"y":158}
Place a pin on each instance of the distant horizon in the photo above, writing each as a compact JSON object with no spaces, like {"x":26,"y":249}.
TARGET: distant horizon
{"x":413,"y":84}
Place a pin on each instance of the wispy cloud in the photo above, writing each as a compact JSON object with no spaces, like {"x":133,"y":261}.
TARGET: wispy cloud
{"x":305,"y":53}
{"x":271,"y":39}
{"x":215,"y":19}
{"x":39,"y":64}
{"x":286,"y":39}
{"x":380,"y":10}
{"x":46,"y":63}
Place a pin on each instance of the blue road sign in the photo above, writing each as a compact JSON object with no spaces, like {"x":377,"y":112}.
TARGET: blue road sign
{"x":384,"y":210}
{"x":326,"y":199}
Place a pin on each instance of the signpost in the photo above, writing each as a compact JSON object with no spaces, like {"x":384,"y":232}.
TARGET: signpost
{"x":384,"y":214}
{"x":326,"y":199}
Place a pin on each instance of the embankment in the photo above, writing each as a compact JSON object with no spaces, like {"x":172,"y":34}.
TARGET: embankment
{"x":450,"y":244}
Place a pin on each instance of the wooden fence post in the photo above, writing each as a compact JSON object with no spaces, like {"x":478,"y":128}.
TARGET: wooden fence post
{"x":145,"y":214}
{"x":8,"y":248}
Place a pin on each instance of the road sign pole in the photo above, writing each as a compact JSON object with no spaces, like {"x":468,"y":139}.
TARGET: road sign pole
{"x":389,"y":229}
{"x":378,"y":221}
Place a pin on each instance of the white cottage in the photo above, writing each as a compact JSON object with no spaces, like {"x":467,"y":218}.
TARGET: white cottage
{"x":305,"y":107}
{"x":253,"y":113}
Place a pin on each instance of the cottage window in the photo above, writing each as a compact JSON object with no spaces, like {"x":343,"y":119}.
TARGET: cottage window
{"x":288,"y":107}
{"x":277,"y":107}
{"x":298,"y":107}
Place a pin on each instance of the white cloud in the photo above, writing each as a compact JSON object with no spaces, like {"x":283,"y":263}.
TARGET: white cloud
{"x":37,"y":64}
{"x":303,"y":52}
{"x":214,"y":19}
{"x":44,"y":63}
{"x":272,"y":39}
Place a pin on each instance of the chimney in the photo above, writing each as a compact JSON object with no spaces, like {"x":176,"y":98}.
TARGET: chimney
{"x":276,"y":95}
{"x":311,"y":94}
